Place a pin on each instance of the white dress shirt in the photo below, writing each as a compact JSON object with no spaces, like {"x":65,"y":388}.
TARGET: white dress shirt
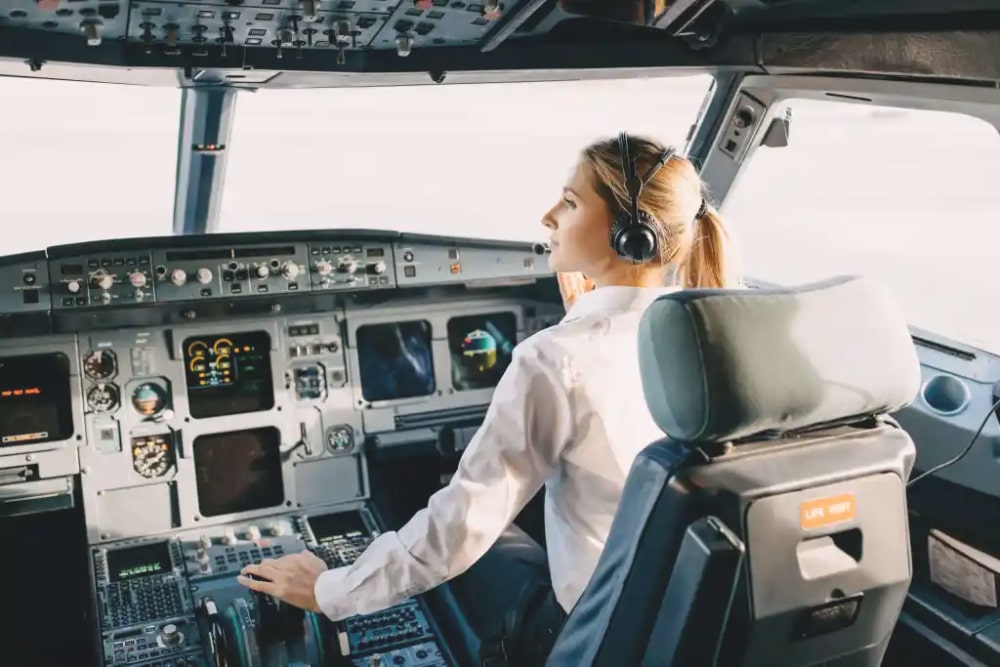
{"x":568,"y":413}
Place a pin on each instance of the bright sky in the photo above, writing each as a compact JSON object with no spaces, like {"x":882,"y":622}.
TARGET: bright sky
{"x":904,"y":196}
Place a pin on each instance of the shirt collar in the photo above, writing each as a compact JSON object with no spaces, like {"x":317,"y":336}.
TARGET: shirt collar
{"x":615,"y":298}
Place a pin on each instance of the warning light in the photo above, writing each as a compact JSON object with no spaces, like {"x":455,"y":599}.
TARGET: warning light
{"x":208,"y":148}
{"x":456,"y":268}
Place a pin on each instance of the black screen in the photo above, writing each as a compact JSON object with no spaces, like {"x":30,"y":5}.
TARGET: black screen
{"x":238,"y":471}
{"x":481,"y":347}
{"x":138,"y":562}
{"x":35,"y":403}
{"x":396,"y":360}
{"x":228,"y":375}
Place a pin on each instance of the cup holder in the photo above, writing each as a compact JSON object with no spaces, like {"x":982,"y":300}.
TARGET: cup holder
{"x":946,"y":395}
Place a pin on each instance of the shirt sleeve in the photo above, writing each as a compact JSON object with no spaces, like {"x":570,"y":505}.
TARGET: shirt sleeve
{"x":517,"y":448}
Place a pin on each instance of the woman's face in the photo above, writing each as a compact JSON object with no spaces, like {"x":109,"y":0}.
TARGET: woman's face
{"x":579,"y":225}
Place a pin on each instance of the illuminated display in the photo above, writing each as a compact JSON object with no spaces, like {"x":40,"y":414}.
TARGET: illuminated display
{"x":227,"y":375}
{"x":35,"y":399}
{"x":137,"y":562}
{"x":396,"y":360}
{"x":481,"y":347}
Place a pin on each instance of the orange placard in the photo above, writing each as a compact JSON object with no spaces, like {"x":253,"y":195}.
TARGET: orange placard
{"x":827,"y":511}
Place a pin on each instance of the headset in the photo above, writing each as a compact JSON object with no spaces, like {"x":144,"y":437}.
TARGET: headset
{"x":633,"y":234}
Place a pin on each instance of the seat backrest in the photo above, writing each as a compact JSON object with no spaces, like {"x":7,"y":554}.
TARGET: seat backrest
{"x":770,"y":526}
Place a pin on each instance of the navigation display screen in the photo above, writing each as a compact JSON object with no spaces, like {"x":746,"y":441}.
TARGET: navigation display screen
{"x":481,"y":347}
{"x":35,"y":402}
{"x":238,"y":471}
{"x":396,"y":360}
{"x":138,"y":562}
{"x":228,"y":375}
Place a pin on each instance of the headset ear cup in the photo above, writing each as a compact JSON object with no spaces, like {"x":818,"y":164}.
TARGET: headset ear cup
{"x":636,"y":243}
{"x":619,"y":228}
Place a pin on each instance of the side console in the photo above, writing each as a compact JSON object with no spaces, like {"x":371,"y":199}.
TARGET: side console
{"x":175,"y":602}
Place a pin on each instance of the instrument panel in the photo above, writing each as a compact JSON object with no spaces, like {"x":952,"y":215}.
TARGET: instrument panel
{"x":112,"y":284}
{"x":200,"y":443}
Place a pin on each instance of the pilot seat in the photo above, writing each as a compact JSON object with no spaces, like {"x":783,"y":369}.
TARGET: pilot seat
{"x":770,"y":526}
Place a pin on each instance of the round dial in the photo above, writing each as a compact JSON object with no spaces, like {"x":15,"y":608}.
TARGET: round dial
{"x":103,"y":397}
{"x":152,"y":456}
{"x":149,"y":399}
{"x":100,"y":364}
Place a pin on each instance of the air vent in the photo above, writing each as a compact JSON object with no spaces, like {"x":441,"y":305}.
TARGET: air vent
{"x":441,"y":417}
{"x":951,"y":351}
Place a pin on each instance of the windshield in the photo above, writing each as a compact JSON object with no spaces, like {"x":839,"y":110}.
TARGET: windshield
{"x":85,"y":161}
{"x":483,"y":160}
{"x":904,"y":196}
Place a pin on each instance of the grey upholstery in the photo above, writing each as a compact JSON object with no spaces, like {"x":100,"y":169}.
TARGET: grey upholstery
{"x":800,"y":381}
{"x":729,"y":364}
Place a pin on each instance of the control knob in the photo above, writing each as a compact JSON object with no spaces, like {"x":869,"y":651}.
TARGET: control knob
{"x":291,"y":270}
{"x":253,"y":533}
{"x":202,"y":557}
{"x":203,"y":276}
{"x":102,"y":280}
{"x":378,"y":267}
{"x":229,"y":537}
{"x":324,"y":268}
{"x":205,"y":541}
{"x":347,"y":265}
{"x":170,"y":636}
{"x":262,"y":271}
{"x":178,"y":277}
{"x":73,"y":286}
{"x":137,"y":279}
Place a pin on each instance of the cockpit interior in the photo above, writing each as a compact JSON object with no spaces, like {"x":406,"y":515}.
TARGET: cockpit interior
{"x":175,"y":407}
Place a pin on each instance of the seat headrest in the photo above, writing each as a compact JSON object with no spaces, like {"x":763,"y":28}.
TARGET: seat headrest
{"x":726,"y":364}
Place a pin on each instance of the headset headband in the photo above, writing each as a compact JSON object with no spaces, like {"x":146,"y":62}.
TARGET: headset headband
{"x":633,"y":185}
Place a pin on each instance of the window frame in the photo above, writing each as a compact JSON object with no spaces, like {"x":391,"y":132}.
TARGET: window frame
{"x":722,"y":173}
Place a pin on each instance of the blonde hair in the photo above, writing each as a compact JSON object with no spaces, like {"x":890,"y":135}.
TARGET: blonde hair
{"x":673,"y":197}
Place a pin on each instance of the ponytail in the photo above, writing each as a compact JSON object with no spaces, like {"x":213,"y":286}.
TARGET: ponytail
{"x":706,"y":264}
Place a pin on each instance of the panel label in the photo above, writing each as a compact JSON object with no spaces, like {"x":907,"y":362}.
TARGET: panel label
{"x":827,"y":511}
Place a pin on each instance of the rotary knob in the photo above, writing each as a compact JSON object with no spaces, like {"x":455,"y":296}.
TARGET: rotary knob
{"x":291,"y":270}
{"x":102,"y":280}
{"x":178,"y":277}
{"x":378,"y":267}
{"x":170,"y":635}
{"x":262,"y":271}
{"x":324,"y":268}
{"x":347,"y":265}
{"x":253,"y":533}
{"x":203,"y":276}
{"x":73,"y":286}
{"x":137,"y":279}
{"x":202,"y":557}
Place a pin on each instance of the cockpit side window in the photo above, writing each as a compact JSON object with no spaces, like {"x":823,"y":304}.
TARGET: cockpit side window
{"x":906,"y":196}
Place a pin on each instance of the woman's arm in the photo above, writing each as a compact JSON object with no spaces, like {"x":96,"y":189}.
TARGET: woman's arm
{"x":508,"y":460}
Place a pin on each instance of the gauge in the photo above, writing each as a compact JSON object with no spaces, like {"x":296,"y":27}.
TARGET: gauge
{"x":103,"y":397}
{"x":152,"y":456}
{"x":100,"y":364}
{"x":340,"y":438}
{"x":149,"y":399}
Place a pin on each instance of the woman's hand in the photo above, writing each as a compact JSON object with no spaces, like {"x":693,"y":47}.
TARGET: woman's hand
{"x":572,"y":285}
